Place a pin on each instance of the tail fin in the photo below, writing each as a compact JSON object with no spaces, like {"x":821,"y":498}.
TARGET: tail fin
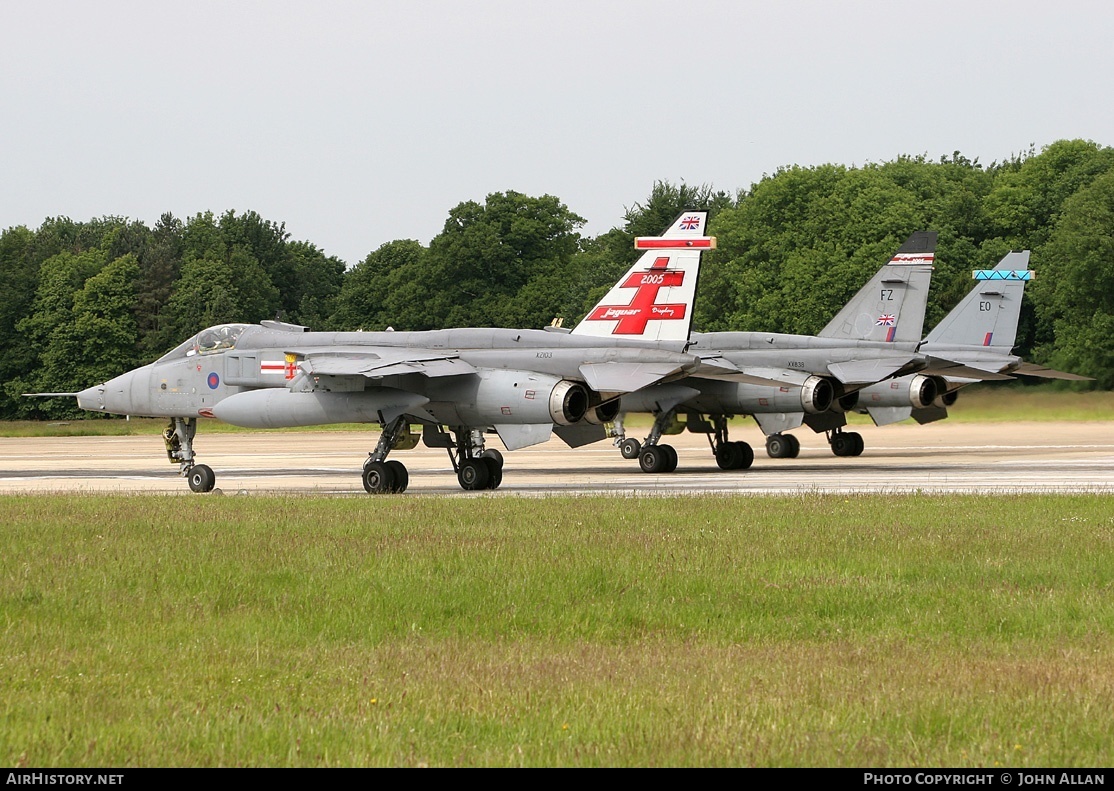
{"x":653,"y":301}
{"x":892,"y":305}
{"x":988,"y":315}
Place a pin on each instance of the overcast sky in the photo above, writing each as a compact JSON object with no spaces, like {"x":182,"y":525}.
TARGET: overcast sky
{"x":357,"y":123}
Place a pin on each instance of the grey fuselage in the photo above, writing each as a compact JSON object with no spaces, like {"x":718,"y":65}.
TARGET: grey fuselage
{"x":509,"y":376}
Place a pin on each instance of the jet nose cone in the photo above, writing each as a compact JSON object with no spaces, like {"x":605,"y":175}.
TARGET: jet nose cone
{"x":91,"y":398}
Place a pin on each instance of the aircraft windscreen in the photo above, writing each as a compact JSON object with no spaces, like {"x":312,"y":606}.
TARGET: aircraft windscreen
{"x":209,"y":341}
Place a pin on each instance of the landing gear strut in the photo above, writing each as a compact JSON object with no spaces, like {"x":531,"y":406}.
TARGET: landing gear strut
{"x":381,"y":476}
{"x":729,"y":455}
{"x":653,"y":457}
{"x":178,"y":438}
{"x":476,"y":468}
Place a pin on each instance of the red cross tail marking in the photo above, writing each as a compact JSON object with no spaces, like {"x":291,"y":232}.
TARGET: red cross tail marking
{"x":643,"y":308}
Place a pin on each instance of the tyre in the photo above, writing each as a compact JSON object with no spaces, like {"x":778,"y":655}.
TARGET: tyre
{"x":794,"y":446}
{"x":473,"y":475}
{"x":494,"y":471}
{"x":842,"y":444}
{"x":399,"y":475}
{"x":651,"y":459}
{"x":201,"y":478}
{"x":378,"y":478}
{"x":726,"y":456}
{"x":493,"y":453}
{"x":777,"y":446}
{"x":745,"y":455}
{"x":630,"y":448}
{"x":858,"y":446}
{"x":670,"y":457}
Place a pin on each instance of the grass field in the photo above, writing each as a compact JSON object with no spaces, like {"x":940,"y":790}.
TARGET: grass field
{"x":861,"y":631}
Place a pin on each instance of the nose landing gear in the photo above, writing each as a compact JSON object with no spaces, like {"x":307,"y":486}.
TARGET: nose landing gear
{"x":178,"y":438}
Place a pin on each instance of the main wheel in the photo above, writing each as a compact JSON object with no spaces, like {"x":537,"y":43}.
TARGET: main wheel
{"x":201,"y":478}
{"x":378,"y":478}
{"x":727,"y":456}
{"x":651,"y":459}
{"x":746,"y":455}
{"x":778,"y":445}
{"x":630,"y":448}
{"x":493,"y":453}
{"x":858,"y":446}
{"x":494,"y":471}
{"x":473,"y":475}
{"x":670,"y":457}
{"x":843,"y":444}
{"x":399,"y":474}
{"x":794,"y":446}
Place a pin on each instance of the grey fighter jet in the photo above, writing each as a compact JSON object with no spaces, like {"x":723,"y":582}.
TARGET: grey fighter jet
{"x":444,"y":387}
{"x":977,"y":335}
{"x":783,"y":380}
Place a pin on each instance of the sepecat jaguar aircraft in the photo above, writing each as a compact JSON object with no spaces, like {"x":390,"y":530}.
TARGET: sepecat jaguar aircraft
{"x":447,"y":388}
{"x":977,"y":335}
{"x":784,"y":380}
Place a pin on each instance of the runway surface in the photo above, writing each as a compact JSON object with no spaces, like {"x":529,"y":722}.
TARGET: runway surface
{"x":943,"y":457}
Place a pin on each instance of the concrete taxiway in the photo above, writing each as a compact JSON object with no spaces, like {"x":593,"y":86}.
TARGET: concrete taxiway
{"x":942,"y":457}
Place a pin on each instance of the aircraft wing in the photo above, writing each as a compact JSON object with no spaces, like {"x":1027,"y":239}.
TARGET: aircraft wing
{"x":715,"y":367}
{"x":620,"y":377}
{"x":1032,"y":369}
{"x":384,"y":362}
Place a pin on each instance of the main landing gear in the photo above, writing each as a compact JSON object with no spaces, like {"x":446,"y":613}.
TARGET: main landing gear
{"x":178,"y":438}
{"x":656,"y":457}
{"x":381,"y":476}
{"x":475,"y":467}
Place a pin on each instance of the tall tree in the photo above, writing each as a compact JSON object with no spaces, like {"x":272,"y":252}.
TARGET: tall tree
{"x":1075,"y":286}
{"x":98,"y":342}
{"x":61,"y":277}
{"x":487,"y":255}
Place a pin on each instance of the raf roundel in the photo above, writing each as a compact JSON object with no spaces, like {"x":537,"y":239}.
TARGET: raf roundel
{"x":214,"y":380}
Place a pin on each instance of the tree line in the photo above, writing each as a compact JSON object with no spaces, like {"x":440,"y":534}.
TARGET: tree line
{"x":84,"y":301}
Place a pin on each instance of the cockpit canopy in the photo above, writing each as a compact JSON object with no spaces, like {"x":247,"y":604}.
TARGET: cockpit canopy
{"x":220,"y":338}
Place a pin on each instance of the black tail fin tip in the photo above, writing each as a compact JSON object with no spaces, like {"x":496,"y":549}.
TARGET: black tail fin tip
{"x":920,"y":242}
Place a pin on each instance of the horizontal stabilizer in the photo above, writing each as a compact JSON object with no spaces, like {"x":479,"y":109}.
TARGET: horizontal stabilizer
{"x":868,"y":371}
{"x":887,"y":415}
{"x":625,"y":377}
{"x":579,"y":435}
{"x":983,"y":371}
{"x":515,"y":436}
{"x":1032,"y":369}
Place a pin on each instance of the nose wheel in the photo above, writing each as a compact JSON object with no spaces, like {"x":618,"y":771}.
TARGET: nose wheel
{"x":201,"y":478}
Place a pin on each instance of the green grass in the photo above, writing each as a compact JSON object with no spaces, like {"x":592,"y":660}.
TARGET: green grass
{"x":565,"y":631}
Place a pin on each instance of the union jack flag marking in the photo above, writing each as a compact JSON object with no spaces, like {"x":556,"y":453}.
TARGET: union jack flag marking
{"x":886,"y":320}
{"x":690,"y":223}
